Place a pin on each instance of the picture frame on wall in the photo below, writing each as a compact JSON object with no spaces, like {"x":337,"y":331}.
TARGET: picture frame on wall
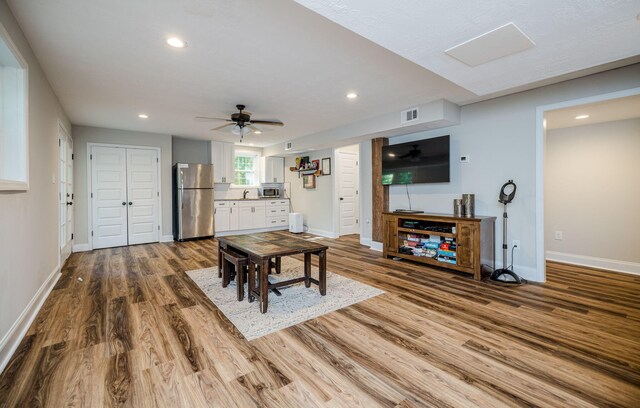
{"x":309,"y":181}
{"x":326,"y":166}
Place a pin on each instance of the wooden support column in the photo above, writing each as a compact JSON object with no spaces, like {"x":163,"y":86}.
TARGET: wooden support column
{"x":379,"y":193}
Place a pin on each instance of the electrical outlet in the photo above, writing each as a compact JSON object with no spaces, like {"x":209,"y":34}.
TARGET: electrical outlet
{"x":559,"y":235}
{"x":515,"y":243}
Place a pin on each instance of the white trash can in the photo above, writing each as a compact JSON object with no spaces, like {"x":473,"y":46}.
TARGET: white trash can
{"x":296,"y":224}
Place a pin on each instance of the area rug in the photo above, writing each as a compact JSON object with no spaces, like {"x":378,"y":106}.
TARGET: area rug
{"x":296,"y":305}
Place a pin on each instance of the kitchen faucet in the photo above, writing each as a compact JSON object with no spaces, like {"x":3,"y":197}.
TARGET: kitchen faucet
{"x":244,"y":194}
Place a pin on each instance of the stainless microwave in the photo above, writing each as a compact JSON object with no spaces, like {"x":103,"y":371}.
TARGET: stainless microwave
{"x":271,"y":192}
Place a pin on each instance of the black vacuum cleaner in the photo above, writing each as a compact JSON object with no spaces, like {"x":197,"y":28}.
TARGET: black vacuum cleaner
{"x":506,"y":274}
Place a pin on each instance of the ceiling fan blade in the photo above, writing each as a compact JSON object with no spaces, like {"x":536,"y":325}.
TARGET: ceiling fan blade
{"x":267,"y":122}
{"x":223,"y":126}
{"x":207,"y":118}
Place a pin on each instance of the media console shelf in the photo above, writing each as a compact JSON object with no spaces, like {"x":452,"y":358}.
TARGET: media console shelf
{"x":458,"y":243}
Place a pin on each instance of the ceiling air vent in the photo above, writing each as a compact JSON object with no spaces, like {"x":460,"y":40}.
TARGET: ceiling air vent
{"x":288,"y":146}
{"x":409,"y":115}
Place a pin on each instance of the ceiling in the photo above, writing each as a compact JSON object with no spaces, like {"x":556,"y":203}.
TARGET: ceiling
{"x":599,"y":112}
{"x":107,"y":60}
{"x":569,"y":35}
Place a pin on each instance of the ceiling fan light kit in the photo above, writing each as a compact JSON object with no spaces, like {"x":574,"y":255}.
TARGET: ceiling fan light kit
{"x":241,"y":123}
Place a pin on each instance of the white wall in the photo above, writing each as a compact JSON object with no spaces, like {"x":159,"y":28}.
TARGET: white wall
{"x":185,"y":150}
{"x":29,"y":220}
{"x":500,"y":135}
{"x":592,"y":191}
{"x":316,"y":205}
{"x":86,"y":134}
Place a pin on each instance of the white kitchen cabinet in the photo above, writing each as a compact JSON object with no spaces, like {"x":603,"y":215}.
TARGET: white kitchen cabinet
{"x":234,"y":216}
{"x":252,"y":214}
{"x":226,"y":215}
{"x":272,"y":169}
{"x":277,"y":213}
{"x":222,"y":217}
{"x":222,"y":158}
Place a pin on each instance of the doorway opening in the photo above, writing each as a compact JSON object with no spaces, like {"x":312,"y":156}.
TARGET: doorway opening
{"x":347,"y":187}
{"x":583,"y":147}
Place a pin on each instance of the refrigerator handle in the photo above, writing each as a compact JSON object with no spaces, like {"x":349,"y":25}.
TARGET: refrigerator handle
{"x":180,"y":202}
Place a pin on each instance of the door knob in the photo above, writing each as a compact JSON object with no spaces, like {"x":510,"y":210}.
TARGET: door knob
{"x":130,"y":203}
{"x":124,"y":203}
{"x":69,"y":203}
{"x":341,"y":198}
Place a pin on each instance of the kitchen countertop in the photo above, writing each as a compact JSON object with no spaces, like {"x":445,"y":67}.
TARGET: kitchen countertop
{"x":249,"y":199}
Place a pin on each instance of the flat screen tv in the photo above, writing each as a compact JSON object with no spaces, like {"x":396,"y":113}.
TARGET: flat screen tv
{"x":420,"y":161}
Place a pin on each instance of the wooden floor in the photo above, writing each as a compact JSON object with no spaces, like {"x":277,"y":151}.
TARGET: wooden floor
{"x":135,"y":331}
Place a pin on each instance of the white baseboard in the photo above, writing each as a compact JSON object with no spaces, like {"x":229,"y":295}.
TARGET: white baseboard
{"x":18,"y":330}
{"x":529,"y":273}
{"x":81,"y":248}
{"x":322,"y":233}
{"x":166,"y":238}
{"x":593,"y":262}
{"x":376,"y":246}
{"x":365,"y":241}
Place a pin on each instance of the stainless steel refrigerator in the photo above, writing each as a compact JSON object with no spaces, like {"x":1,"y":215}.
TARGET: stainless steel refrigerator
{"x":192,"y":201}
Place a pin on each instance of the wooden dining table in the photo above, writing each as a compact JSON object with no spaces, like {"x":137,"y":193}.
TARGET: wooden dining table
{"x":261,"y":248}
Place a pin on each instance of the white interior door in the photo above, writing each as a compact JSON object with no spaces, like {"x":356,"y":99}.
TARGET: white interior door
{"x":142,"y":196}
{"x":348,"y":193}
{"x":65,"y":193}
{"x":109,"y":196}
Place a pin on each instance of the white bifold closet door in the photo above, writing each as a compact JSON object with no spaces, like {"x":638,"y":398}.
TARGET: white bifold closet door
{"x":142,"y":193}
{"x":125,"y":202}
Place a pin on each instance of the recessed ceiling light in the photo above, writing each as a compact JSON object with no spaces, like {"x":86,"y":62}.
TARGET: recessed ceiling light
{"x":352,"y":95}
{"x":176,"y":42}
{"x":143,"y":116}
{"x":582,"y":116}
{"x":257,"y":132}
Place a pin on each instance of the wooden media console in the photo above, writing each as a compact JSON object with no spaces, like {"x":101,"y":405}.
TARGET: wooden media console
{"x":463,"y":244}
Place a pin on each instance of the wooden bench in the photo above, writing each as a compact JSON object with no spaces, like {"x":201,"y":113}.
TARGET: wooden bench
{"x":239,"y":262}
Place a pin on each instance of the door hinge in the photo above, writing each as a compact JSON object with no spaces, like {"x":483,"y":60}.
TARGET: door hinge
{"x":72,"y":156}
{"x":72,"y":196}
{"x":356,"y":162}
{"x":91,"y":233}
{"x":71,"y":236}
{"x":357,"y":220}
{"x":157,"y":160}
{"x":91,"y":195}
{"x":90,"y":157}
{"x":356,"y":192}
{"x":59,"y":142}
{"x":158,"y":193}
{"x":158,"y":228}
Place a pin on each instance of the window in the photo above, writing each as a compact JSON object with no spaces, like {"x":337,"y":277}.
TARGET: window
{"x":245,"y":169}
{"x":14,"y":166}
